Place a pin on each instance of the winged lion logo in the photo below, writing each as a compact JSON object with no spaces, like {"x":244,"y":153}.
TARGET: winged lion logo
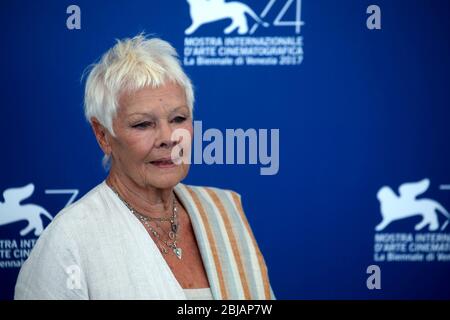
{"x":395,"y":207}
{"x":12,"y":210}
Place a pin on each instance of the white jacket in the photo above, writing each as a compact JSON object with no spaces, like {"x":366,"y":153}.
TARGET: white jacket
{"x":97,"y":249}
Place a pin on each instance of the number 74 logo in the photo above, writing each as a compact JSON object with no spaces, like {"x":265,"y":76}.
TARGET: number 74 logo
{"x":289,"y":4}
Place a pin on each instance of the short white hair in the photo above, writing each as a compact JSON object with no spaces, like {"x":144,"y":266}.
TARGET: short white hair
{"x":130,"y":65}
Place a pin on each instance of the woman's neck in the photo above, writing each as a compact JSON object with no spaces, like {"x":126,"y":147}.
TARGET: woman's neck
{"x":147,"y":200}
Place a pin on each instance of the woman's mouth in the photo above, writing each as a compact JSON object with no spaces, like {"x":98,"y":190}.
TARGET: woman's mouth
{"x":163,"y":163}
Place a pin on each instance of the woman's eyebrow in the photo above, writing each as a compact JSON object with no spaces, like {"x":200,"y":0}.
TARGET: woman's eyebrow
{"x":141,"y":114}
{"x":179,"y":109}
{"x":150,"y":114}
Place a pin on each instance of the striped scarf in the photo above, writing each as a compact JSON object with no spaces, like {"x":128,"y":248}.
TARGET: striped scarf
{"x":234,"y":264}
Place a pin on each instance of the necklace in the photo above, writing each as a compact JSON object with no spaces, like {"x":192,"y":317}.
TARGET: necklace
{"x":171,"y":242}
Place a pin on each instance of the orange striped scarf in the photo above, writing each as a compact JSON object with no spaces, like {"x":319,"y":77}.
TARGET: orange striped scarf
{"x":234,"y":264}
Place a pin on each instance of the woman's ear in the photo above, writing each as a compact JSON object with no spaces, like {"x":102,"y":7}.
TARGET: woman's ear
{"x":102,"y":135}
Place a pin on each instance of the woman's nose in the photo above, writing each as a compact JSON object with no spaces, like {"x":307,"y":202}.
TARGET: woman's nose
{"x":165,"y":136}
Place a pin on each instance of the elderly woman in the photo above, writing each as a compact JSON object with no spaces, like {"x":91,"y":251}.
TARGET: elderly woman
{"x":141,"y":234}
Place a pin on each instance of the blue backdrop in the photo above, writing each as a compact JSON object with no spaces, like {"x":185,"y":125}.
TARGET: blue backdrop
{"x":359,"y":109}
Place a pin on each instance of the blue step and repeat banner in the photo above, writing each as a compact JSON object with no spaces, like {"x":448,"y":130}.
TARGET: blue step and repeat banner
{"x":345,"y":169}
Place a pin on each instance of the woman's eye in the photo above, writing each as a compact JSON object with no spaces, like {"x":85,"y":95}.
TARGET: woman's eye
{"x":142,"y":125}
{"x":178,"y":119}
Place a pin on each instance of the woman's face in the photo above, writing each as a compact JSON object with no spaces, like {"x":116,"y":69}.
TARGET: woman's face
{"x":144,"y":124}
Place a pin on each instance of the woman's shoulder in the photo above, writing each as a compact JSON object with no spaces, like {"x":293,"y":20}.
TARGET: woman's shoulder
{"x":58,"y":249}
{"x":81,"y":212}
{"x":92,"y":201}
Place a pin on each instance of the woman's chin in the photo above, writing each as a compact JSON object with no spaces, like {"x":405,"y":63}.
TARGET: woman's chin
{"x":165,"y":179}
